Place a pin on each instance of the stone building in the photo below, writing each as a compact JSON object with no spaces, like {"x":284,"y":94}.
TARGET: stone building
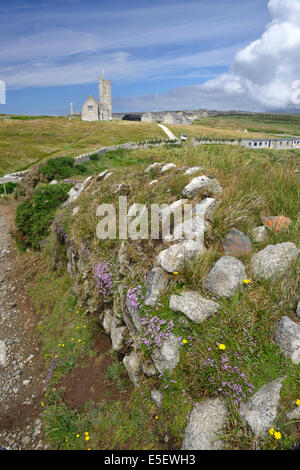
{"x":101,"y":110}
{"x":278,"y":144}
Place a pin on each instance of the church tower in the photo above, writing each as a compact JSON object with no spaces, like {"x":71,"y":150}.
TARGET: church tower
{"x":105,"y":106}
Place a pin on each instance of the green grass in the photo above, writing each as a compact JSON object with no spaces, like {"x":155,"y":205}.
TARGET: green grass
{"x":255,"y":183}
{"x":24,"y":142}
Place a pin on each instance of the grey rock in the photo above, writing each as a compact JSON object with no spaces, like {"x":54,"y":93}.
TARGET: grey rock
{"x":148,"y":369}
{"x":167,"y":356}
{"x":259,"y":234}
{"x":260,"y":411}
{"x":298,"y":310}
{"x":156,"y":283}
{"x":157,"y":397}
{"x":287,"y":336}
{"x":273,"y":262}
{"x":175,"y":258}
{"x":53,"y":182}
{"x":107,"y":321}
{"x":294,"y":414}
{"x":123,"y":258}
{"x":118,"y":336}
{"x":132,"y":365}
{"x":101,"y":175}
{"x":168,"y":167}
{"x":225,"y":277}
{"x":205,"y":425}
{"x":193,"y":170}
{"x":134,"y":315}
{"x":202,"y":183}
{"x":154,"y":166}
{"x":193,"y":305}
{"x":2,"y":354}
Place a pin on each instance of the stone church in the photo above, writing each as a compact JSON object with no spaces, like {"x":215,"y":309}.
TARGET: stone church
{"x":101,"y":110}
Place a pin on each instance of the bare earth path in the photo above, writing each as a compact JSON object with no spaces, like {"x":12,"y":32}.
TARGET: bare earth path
{"x":22,"y":374}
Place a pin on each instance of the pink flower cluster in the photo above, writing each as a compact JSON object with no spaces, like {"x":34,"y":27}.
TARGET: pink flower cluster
{"x":228,"y":378}
{"x":104,"y":275}
{"x":155,"y":331}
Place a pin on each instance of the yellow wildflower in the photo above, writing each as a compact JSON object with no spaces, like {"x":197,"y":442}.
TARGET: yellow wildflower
{"x":246,"y":281}
{"x":298,"y":402}
{"x":277,"y":435}
{"x":42,"y":403}
{"x":184,"y":341}
{"x":156,"y":417}
{"x":222,"y":346}
{"x":86,"y":433}
{"x":175,"y":272}
{"x":271,"y":431}
{"x":79,"y":341}
{"x":77,"y":435}
{"x":87,"y":438}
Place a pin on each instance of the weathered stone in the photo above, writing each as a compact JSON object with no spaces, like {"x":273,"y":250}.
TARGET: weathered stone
{"x":259,"y":234}
{"x":2,"y":353}
{"x":168,"y":167}
{"x":154,"y":166}
{"x":225,"y":277}
{"x":294,"y":414}
{"x":260,"y":411}
{"x":107,"y":176}
{"x":156,"y":283}
{"x":298,"y":310}
{"x":118,"y":336}
{"x":75,"y":192}
{"x":175,"y":258}
{"x":205,"y":425}
{"x":107,"y":321}
{"x":236,"y":243}
{"x":157,"y":397}
{"x":101,"y":175}
{"x":287,"y":336}
{"x":53,"y":182}
{"x":132,"y":365}
{"x":193,"y":170}
{"x":276,"y":223}
{"x":148,"y":368}
{"x":134,"y":314}
{"x":202,"y":184}
{"x":123,"y":258}
{"x":273,"y":262}
{"x":123,"y":189}
{"x":193,"y":305}
{"x":167,"y":356}
{"x":153,"y":182}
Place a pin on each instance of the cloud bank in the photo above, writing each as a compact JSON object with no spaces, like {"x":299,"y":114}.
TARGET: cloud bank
{"x":260,"y":77}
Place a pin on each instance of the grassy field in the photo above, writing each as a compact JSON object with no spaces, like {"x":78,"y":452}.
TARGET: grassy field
{"x":255,"y":183}
{"x":257,"y":123}
{"x":24,"y":142}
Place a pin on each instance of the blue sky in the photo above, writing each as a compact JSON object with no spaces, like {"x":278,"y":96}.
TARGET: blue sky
{"x":161,"y":54}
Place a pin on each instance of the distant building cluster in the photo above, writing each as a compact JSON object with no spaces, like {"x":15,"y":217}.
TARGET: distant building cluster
{"x":278,"y":144}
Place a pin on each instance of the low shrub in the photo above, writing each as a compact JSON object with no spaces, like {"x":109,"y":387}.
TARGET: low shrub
{"x":60,"y":168}
{"x":34,"y":217}
{"x":10,"y":187}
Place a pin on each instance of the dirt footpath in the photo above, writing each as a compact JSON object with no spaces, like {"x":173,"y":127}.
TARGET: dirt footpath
{"x":22,"y":374}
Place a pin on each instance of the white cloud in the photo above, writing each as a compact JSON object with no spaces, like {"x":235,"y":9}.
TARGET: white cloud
{"x":261,"y":74}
